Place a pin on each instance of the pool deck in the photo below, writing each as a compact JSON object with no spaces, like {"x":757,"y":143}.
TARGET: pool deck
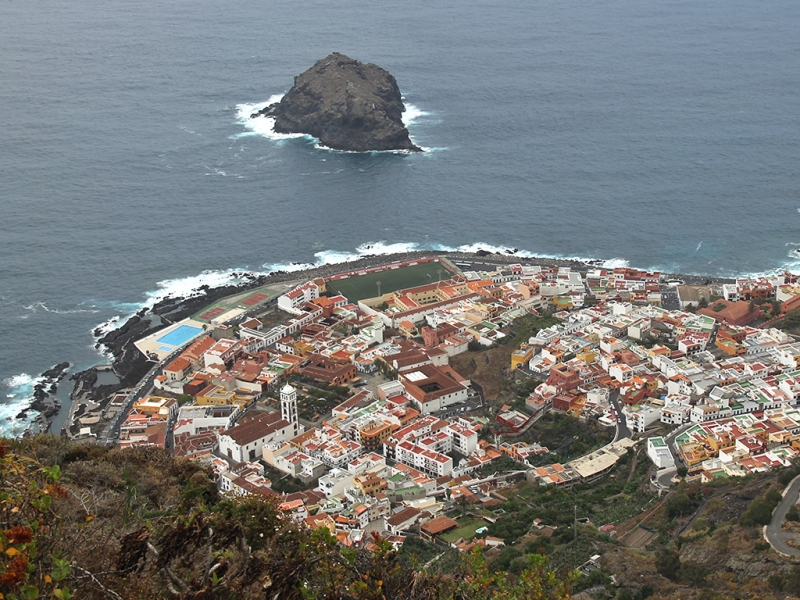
{"x":151,"y":345}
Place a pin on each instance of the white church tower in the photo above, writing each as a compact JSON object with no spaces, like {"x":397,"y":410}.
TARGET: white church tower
{"x":289,"y":407}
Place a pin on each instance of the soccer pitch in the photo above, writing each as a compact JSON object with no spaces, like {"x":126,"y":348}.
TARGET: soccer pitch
{"x":366,"y":286}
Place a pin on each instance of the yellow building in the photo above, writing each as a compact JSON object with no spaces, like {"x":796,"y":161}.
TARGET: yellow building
{"x":303,"y":348}
{"x":217,"y":395}
{"x":373,"y":434}
{"x":586,"y":355}
{"x":562,"y":303}
{"x":521,"y":356}
{"x":370,"y":484}
{"x":693,"y":453}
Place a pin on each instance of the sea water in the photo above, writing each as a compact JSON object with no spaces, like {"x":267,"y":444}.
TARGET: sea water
{"x":657,"y":134}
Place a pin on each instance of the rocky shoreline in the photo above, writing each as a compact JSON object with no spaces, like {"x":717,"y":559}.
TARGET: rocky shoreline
{"x":43,"y":400}
{"x":345,"y":104}
{"x":130,"y":365}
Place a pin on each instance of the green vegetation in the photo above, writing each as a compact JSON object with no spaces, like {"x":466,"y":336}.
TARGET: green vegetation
{"x":791,"y":321}
{"x":315,"y":398}
{"x":566,"y":437}
{"x":465,"y":530}
{"x":366,"y":286}
{"x":526,"y":326}
{"x":759,"y":512}
{"x":283,"y":483}
{"x":679,"y":504}
{"x":668,"y":563}
{"x":788,"y":582}
{"x":613,"y":499}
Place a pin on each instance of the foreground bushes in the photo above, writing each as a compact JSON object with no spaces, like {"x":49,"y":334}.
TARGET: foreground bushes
{"x":84,"y":522}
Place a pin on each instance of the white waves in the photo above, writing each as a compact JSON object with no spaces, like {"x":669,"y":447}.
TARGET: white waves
{"x":36,"y":306}
{"x":263,"y":126}
{"x":18,"y":392}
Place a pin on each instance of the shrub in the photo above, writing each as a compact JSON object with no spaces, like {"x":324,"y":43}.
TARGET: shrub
{"x":668,"y":563}
{"x":793,"y":514}
{"x":693,"y":573}
{"x":678,"y":504}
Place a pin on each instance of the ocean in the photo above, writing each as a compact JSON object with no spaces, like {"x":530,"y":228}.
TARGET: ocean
{"x":660,"y":135}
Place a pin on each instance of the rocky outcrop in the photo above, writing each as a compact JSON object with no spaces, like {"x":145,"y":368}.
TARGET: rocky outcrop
{"x":346,"y":104}
{"x":43,"y":402}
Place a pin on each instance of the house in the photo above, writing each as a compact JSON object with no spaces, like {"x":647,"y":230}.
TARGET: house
{"x":659,"y":453}
{"x":402,"y":520}
{"x":437,"y":526}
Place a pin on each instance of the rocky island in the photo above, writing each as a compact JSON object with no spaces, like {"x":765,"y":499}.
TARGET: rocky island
{"x":346,"y":104}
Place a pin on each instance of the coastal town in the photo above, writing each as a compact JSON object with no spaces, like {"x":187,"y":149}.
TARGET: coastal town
{"x":341,"y":396}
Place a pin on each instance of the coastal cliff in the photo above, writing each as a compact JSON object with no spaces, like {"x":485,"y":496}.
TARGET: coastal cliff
{"x":346,"y":104}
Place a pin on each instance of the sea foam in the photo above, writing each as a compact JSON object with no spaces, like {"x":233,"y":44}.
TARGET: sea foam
{"x":264,"y":126}
{"x":18,"y":392}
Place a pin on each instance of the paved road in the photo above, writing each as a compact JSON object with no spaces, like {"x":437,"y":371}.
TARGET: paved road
{"x":622,"y":425}
{"x":773,"y":532}
{"x":664,"y":478}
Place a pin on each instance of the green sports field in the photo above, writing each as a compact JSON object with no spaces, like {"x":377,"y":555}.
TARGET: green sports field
{"x":365,"y":286}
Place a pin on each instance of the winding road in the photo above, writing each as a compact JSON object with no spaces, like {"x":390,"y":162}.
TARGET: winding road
{"x":772,"y":532}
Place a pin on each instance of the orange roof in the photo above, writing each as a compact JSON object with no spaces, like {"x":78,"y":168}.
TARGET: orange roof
{"x":438,"y":525}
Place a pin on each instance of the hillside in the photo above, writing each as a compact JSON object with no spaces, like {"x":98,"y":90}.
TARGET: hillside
{"x":91,"y":522}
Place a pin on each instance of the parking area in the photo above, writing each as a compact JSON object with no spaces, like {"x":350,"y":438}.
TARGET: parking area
{"x":669,"y":297}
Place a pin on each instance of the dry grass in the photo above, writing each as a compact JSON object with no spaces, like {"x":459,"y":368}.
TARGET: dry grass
{"x":490,"y":369}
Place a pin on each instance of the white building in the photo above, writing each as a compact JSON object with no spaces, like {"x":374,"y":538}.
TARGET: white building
{"x":291,"y":301}
{"x":659,"y":453}
{"x":245,"y":440}
{"x":428,"y":461}
{"x":335,"y":482}
{"x":642,"y":417}
{"x":197,"y":419}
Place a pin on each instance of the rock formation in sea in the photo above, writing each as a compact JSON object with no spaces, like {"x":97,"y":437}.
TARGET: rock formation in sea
{"x":346,"y":104}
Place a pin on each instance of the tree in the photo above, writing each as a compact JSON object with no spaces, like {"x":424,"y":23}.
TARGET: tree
{"x":678,"y":504}
{"x":668,"y":563}
{"x":792,"y":319}
{"x":775,"y":582}
{"x":534,"y":583}
{"x":703,"y":303}
{"x":693,"y":573}
{"x":759,"y":511}
{"x":791,"y":582}
{"x":793,"y":514}
{"x":682,"y":471}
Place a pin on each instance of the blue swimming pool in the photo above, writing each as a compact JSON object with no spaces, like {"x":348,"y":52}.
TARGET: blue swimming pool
{"x":179,"y":336}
